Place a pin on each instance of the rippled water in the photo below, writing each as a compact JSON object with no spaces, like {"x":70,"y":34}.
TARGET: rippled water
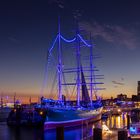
{"x":36,"y":133}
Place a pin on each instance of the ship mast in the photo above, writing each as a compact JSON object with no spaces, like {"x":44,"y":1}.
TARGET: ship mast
{"x":78,"y":57}
{"x":59,"y":63}
{"x":91,"y":73}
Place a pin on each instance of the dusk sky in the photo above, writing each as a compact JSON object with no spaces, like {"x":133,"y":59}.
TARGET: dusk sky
{"x":27,"y":29}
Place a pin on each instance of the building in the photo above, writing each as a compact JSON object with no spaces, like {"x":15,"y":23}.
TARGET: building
{"x":122,"y":97}
{"x":138,"y":88}
{"x":137,"y":97}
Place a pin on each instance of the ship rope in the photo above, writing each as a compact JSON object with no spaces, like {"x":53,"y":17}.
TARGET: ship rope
{"x":66,"y":88}
{"x":53,"y":85}
{"x":50,"y":56}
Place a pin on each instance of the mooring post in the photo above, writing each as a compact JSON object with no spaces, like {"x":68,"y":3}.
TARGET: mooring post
{"x":60,"y":133}
{"x":110,"y":121}
{"x":128,"y":121}
{"x":122,"y":135}
{"x":97,"y":134}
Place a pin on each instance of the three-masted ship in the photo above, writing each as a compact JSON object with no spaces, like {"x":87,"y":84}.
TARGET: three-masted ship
{"x":61,"y":112}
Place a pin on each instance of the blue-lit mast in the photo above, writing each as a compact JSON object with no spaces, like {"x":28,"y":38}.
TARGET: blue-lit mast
{"x":59,"y":63}
{"x":91,"y":71}
{"x":78,"y":82}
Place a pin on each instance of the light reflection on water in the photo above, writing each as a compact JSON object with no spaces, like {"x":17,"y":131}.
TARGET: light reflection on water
{"x":117,"y":121}
{"x":77,"y":133}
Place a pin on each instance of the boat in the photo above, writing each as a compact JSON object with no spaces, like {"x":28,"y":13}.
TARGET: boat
{"x":84,"y":110}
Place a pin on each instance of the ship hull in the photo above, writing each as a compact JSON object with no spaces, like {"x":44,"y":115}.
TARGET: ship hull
{"x":71,"y":118}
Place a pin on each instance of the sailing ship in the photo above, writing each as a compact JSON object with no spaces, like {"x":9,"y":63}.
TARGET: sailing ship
{"x":61,"y":112}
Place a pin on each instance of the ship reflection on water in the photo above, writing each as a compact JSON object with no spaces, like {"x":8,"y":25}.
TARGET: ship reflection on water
{"x":77,"y":133}
{"x":86,"y":132}
{"x":20,"y":133}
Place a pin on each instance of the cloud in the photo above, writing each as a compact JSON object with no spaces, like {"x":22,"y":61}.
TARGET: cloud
{"x":60,"y":3}
{"x":77,"y":14}
{"x":13,"y":39}
{"x":122,"y":78}
{"x":52,"y":1}
{"x":115,"y":34}
{"x":117,"y":83}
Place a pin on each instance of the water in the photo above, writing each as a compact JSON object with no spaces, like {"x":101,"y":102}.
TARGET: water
{"x":20,"y":133}
{"x":24,"y":133}
{"x":77,"y":133}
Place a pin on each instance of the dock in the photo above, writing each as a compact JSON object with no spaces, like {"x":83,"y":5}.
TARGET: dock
{"x":20,"y":116}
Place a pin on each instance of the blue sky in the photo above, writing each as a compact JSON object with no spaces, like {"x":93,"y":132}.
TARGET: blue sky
{"x":28,"y":27}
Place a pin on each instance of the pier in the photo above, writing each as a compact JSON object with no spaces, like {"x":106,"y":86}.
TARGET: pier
{"x":26,"y":116}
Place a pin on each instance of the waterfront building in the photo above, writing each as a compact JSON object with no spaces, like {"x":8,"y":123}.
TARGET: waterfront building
{"x":137,"y":97}
{"x":122,"y":97}
{"x":138,"y":88}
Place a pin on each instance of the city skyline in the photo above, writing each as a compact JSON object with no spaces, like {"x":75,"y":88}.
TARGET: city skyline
{"x":28,"y":28}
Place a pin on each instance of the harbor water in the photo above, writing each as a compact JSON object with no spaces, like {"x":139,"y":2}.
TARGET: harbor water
{"x":77,"y":133}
